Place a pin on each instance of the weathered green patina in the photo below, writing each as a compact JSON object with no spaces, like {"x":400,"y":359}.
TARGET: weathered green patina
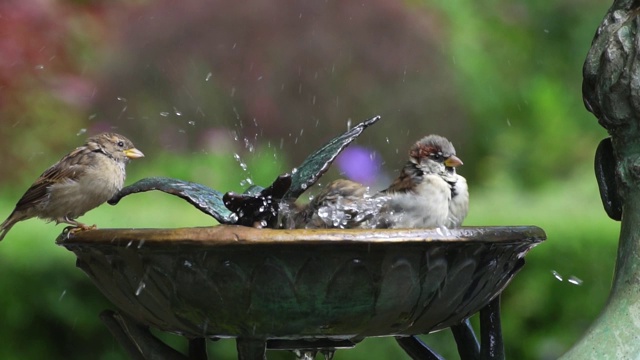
{"x":611,"y":91}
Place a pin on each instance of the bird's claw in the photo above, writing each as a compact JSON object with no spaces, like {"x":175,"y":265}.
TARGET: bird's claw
{"x":70,"y":230}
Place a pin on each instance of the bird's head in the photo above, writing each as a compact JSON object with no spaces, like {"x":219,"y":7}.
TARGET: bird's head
{"x":434,"y":154}
{"x":115,"y":146}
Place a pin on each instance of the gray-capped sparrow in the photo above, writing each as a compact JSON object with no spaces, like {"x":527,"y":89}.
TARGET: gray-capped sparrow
{"x":82,"y":180}
{"x":427,"y":194}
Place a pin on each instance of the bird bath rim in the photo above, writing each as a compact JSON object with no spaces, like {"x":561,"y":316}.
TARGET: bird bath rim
{"x":220,"y":235}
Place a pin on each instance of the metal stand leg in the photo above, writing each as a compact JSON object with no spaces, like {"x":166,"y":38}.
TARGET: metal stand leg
{"x":468,"y":346}
{"x":251,"y":349}
{"x":417,"y":349}
{"x":492,"y":345}
{"x":198,"y":349}
{"x":137,"y":340}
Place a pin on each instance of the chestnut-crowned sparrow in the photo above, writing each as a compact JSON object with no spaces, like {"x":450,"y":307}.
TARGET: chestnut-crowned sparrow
{"x":427,"y":194}
{"x":82,"y":180}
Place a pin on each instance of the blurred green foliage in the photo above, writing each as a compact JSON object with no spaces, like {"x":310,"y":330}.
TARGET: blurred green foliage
{"x":195,"y":85}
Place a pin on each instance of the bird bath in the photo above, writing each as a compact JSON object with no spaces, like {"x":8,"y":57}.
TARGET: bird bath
{"x":311,"y":290}
{"x":319,"y":289}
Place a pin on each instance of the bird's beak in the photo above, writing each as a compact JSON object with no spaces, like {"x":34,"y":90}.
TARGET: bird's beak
{"x":133,"y":153}
{"x":453,"y":161}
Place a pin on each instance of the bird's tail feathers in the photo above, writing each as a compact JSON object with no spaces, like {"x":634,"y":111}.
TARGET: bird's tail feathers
{"x":7,"y":225}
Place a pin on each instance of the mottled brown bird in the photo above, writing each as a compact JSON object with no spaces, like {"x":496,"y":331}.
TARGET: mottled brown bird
{"x":428,"y":193}
{"x":81,"y":181}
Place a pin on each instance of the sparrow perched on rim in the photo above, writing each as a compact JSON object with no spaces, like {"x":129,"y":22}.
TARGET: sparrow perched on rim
{"x":81,"y":181}
{"x":428,"y":193}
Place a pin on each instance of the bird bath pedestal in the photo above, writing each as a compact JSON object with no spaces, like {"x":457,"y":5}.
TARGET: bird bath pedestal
{"x":312,"y":290}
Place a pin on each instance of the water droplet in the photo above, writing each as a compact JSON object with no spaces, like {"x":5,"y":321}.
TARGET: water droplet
{"x":81,"y":132}
{"x":93,"y":116}
{"x":164,"y":113}
{"x":141,"y":243}
{"x":294,"y":170}
{"x":209,"y":75}
{"x":236,"y":156}
{"x":192,"y":123}
{"x":575,"y":280}
{"x":556,"y":275}
{"x":305,"y":354}
{"x":243,"y":166}
{"x":120,"y":98}
{"x":328,"y":354}
{"x":349,"y":124}
{"x":39,"y":67}
{"x":188,"y":264}
{"x":177,"y":112}
{"x":141,"y":286}
{"x":64,"y":292}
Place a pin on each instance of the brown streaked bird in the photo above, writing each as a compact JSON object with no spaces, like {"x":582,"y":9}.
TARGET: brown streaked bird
{"x":428,"y":193}
{"x":342,"y":204}
{"x":81,"y":181}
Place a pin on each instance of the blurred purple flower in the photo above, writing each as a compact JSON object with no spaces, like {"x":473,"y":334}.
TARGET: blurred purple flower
{"x":360,"y":164}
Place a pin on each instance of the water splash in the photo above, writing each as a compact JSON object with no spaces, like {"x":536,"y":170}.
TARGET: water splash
{"x":328,"y":354}
{"x":305,"y":354}
{"x":557,"y":275}
{"x":209,"y":75}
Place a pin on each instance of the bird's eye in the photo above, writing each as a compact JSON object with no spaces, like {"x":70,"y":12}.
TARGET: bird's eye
{"x":120,"y":143}
{"x":437,"y":156}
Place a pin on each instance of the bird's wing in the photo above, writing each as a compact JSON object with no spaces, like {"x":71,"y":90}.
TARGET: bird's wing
{"x":406,"y":181}
{"x":62,"y":171}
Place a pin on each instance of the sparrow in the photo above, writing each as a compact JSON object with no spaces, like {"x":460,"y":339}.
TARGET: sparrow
{"x":81,"y":181}
{"x":342,"y":204}
{"x":428,"y":193}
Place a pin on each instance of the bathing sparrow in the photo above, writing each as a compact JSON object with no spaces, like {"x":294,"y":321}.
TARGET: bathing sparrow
{"x":341,"y":204}
{"x":428,"y":193}
{"x":82,"y":180}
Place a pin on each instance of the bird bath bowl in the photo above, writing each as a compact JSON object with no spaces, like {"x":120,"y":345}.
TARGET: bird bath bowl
{"x":269,"y":285}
